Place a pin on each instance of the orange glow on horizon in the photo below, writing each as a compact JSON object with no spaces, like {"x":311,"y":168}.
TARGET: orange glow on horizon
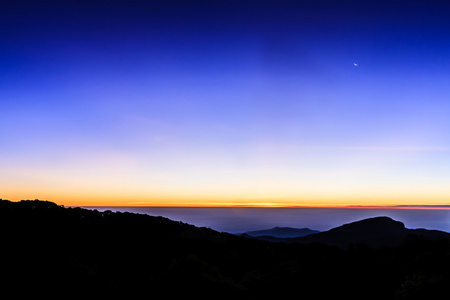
{"x":338,"y":202}
{"x":361,"y":200}
{"x":195,"y":202}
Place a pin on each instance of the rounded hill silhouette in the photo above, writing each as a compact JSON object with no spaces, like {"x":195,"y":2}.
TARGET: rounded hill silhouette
{"x":375,"y":232}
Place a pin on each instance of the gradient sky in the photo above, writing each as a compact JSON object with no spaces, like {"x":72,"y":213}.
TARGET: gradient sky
{"x":287,"y":102}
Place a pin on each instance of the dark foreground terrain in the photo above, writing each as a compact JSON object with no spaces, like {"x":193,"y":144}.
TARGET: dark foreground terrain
{"x":47,"y":249}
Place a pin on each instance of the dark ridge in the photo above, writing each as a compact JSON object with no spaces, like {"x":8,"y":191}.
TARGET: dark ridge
{"x":52,"y":251}
{"x":375,"y":232}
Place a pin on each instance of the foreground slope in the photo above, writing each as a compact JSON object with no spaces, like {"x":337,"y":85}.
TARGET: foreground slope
{"x":48,"y":249}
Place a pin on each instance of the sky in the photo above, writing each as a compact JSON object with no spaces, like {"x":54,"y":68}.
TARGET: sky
{"x":225,"y":103}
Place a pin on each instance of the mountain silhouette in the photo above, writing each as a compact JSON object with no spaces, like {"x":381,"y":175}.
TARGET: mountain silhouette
{"x":53,"y":251}
{"x":278,"y":234}
{"x":282,"y":232}
{"x":375,"y":232}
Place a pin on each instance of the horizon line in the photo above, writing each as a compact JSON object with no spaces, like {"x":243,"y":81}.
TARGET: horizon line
{"x":253,"y":205}
{"x":431,"y":206}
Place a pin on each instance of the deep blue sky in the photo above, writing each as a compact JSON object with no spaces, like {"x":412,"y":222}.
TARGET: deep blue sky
{"x":225,"y":102}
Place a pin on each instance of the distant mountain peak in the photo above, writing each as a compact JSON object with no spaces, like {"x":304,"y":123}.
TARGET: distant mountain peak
{"x":282,"y":232}
{"x":375,"y":232}
{"x":376,"y":224}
